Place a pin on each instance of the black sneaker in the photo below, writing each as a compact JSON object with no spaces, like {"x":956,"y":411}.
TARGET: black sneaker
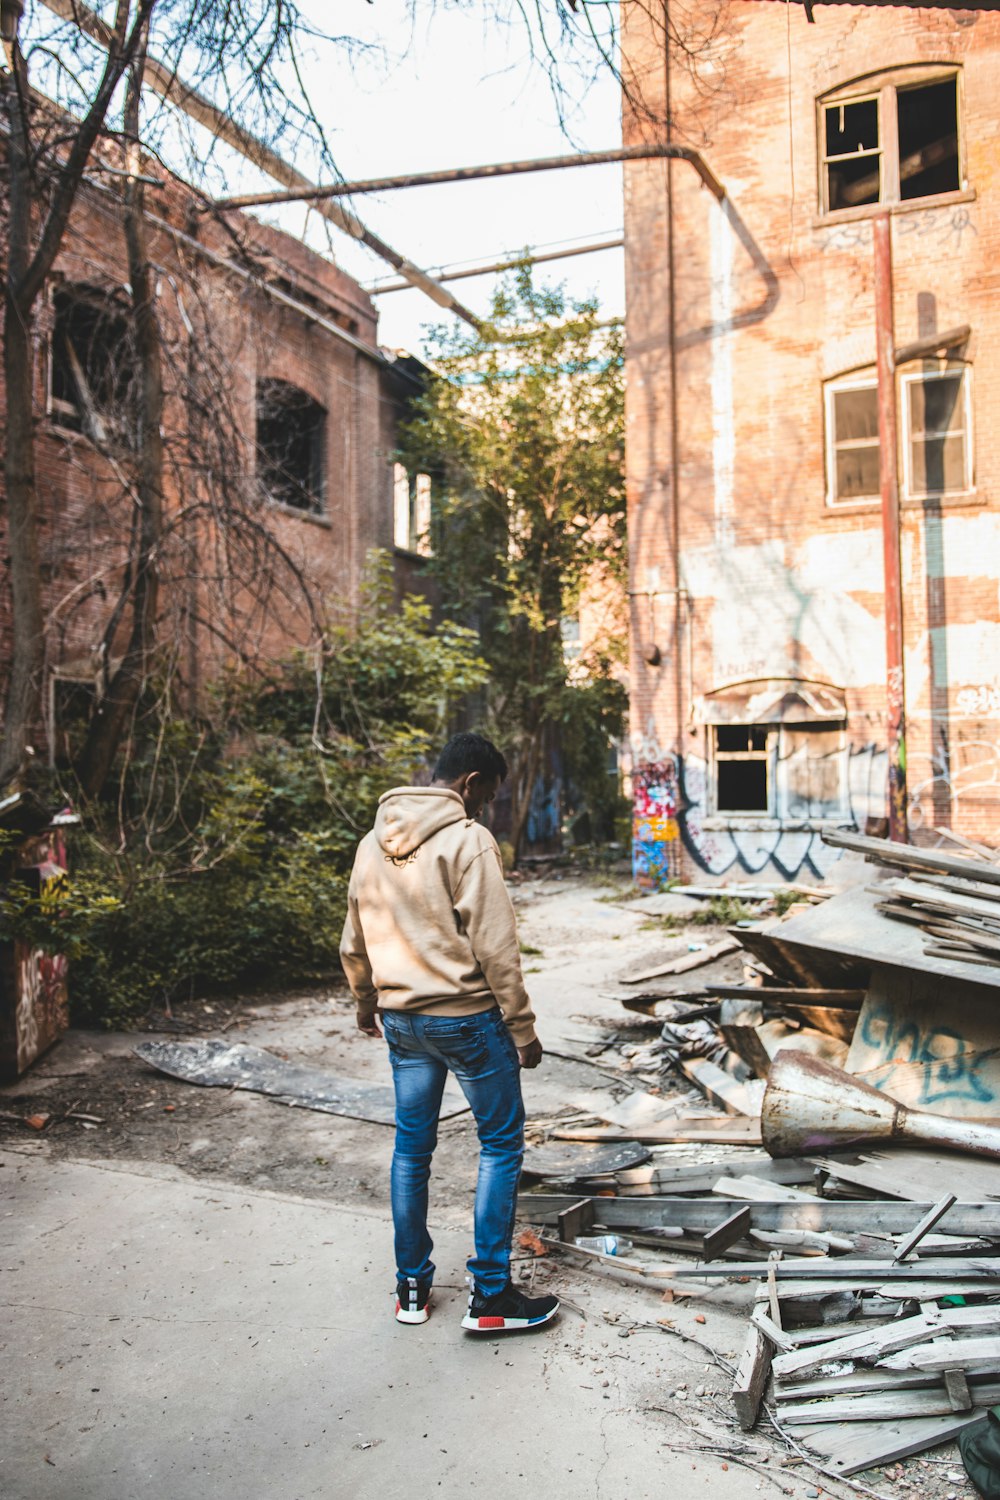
{"x":412,"y":1301}
{"x":508,"y":1309}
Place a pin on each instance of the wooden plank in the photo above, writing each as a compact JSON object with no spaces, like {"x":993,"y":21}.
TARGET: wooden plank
{"x":919,"y":1176}
{"x":779,"y":1338}
{"x":686,"y":962}
{"x":957,"y":1387}
{"x":854,"y":1447}
{"x":881,"y":1406}
{"x":751,"y":1377}
{"x":820,"y":998}
{"x":577,"y":1219}
{"x":847,"y":1268}
{"x":735,"y":1131}
{"x":698,"y":1177}
{"x":947,"y":1354}
{"x":720,"y":1088}
{"x":855,"y":1383}
{"x":907,"y":857}
{"x":880,"y":1343}
{"x":948,"y":900}
{"x":802,"y":1240}
{"x":732,"y":1228}
{"x":926,"y":1223}
{"x":759,"y":1190}
{"x":842,"y":1216}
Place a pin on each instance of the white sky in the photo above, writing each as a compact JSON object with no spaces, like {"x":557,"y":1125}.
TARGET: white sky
{"x":457,"y":92}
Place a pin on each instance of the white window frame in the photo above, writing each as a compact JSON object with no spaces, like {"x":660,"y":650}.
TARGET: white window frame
{"x":831,"y":388}
{"x":876,"y":155}
{"x":769,"y":755}
{"x":906,"y":380}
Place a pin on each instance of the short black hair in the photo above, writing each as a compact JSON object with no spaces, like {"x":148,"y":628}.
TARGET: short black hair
{"x":469,"y":752}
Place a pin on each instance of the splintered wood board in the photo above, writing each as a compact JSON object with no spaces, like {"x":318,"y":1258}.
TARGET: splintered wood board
{"x":920,"y":1176}
{"x":850,"y":1447}
{"x":736,"y":1131}
{"x":932,"y":1045}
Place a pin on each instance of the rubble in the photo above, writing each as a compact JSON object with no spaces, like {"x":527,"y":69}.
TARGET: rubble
{"x":862,"y":1049}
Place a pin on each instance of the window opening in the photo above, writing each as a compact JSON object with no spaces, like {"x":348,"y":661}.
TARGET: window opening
{"x":92,"y":365}
{"x":742,"y":768}
{"x":894,"y":145}
{"x":852,"y":426}
{"x":928,"y":140}
{"x":853,"y":153}
{"x":411,"y":511}
{"x":936,"y":413}
{"x":291,"y":432}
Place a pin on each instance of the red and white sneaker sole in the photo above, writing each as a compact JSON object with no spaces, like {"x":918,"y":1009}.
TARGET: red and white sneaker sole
{"x":505,"y":1325}
{"x":403,"y":1316}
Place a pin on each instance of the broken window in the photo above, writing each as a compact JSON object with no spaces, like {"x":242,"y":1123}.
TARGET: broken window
{"x":92,"y":365}
{"x":411,"y":511}
{"x":852,"y":440}
{"x":937,"y":422}
{"x":291,"y":444}
{"x":891,"y":144}
{"x":742,"y":768}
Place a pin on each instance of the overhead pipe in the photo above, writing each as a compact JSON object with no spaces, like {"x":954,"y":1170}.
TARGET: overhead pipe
{"x":165,"y":82}
{"x":650,"y":152}
{"x":502,"y":265}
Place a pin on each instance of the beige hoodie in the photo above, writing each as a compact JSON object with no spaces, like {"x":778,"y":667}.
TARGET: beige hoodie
{"x":429,"y":923}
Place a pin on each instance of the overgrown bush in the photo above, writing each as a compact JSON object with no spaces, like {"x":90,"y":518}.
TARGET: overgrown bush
{"x":223,"y":855}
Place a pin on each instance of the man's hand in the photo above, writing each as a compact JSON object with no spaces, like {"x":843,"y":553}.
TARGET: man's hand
{"x":368,"y":1022}
{"x":531,"y":1055}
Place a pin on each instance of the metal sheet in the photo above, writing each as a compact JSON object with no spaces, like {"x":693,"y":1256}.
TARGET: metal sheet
{"x":232,"y":1065}
{"x":569,"y":1161}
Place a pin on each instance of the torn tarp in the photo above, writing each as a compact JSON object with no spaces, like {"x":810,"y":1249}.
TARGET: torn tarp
{"x":235,"y":1066}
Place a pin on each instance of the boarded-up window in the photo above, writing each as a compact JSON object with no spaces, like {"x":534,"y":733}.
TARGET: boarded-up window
{"x":810,"y":771}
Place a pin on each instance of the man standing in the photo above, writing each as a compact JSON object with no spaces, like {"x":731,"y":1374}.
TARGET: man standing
{"x":430,"y":944}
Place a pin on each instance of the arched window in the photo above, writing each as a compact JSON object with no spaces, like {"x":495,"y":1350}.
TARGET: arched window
{"x":890,"y":138}
{"x":291,"y":445}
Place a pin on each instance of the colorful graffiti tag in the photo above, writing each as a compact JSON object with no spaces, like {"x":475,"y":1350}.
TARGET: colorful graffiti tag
{"x":656,"y":850}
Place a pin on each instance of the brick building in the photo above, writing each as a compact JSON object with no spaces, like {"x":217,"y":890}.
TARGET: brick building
{"x":280,"y":424}
{"x":757,"y":589}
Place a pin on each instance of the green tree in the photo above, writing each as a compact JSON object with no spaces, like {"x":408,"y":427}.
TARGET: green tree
{"x":522,"y":429}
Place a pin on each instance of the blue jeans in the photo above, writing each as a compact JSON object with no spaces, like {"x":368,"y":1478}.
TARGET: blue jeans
{"x":479,"y":1051}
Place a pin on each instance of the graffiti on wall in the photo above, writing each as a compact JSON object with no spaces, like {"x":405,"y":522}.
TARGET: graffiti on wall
{"x":656,"y":850}
{"x":672,"y":814}
{"x":964,"y":771}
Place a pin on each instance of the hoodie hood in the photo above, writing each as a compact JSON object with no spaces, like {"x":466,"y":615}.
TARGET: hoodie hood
{"x":409,"y":815}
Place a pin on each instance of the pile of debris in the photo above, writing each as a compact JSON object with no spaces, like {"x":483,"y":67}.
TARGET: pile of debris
{"x":862,"y":1052}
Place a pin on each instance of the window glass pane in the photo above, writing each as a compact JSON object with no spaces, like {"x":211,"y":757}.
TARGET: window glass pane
{"x":938,"y":465}
{"x":742,"y":786}
{"x":934,"y":404}
{"x":857,"y":473}
{"x":928,"y":139}
{"x":854,"y":181}
{"x":855,"y":414}
{"x":852,"y":127}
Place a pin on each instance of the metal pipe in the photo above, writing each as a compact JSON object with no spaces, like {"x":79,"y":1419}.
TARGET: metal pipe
{"x":809,"y":1105}
{"x":494,"y":169}
{"x":889,"y":489}
{"x":501,"y":265}
{"x":165,"y":82}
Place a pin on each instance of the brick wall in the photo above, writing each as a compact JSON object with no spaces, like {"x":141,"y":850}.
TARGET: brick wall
{"x":257,"y":590}
{"x":741,"y":569}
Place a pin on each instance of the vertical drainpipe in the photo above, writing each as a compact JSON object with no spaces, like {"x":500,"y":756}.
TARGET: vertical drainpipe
{"x":675,"y":463}
{"x":889,"y":488}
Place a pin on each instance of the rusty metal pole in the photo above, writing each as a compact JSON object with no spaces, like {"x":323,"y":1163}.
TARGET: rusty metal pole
{"x":889,"y":488}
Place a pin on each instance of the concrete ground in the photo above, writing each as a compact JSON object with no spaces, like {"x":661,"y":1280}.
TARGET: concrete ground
{"x":164,"y":1338}
{"x":197,"y":1289}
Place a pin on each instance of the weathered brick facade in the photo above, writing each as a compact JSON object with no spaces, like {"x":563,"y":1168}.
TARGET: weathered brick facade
{"x":243,"y":308}
{"x":756,"y":542}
